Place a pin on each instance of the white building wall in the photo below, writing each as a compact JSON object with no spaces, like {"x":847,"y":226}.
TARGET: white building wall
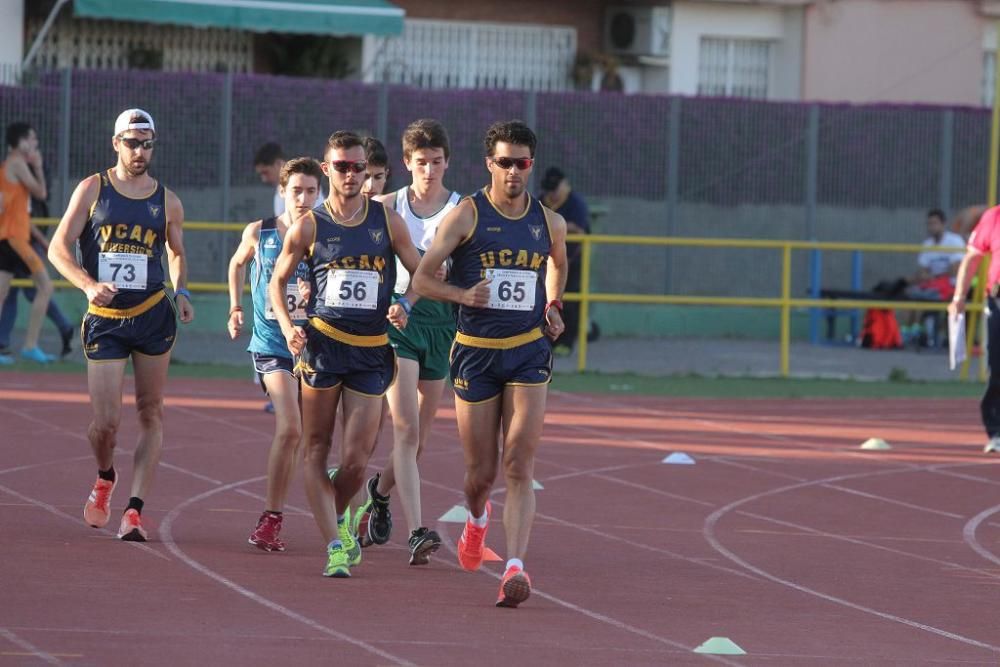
{"x":11,"y":32}
{"x":694,"y":20}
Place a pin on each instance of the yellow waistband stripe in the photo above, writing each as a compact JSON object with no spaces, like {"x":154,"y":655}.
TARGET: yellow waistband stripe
{"x":499,"y":343}
{"x":348,"y":338}
{"x":127,"y":313}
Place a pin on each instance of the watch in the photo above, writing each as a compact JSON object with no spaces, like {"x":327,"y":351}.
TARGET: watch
{"x":182,"y":290}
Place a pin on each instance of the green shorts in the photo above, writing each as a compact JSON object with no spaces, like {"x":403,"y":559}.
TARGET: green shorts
{"x":428,"y":345}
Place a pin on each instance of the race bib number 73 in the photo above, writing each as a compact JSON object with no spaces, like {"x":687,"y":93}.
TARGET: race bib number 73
{"x":125,"y":270}
{"x":511,"y":289}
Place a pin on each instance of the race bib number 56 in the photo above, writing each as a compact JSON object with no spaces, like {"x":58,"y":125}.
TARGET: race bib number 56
{"x":123,"y":269}
{"x":511,"y":289}
{"x":351,"y":288}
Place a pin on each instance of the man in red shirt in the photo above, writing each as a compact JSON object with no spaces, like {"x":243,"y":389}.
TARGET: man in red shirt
{"x":985,"y":238}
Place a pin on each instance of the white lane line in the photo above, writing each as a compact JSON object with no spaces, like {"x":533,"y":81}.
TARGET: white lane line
{"x":76,"y":520}
{"x":166,"y":535}
{"x":709,"y":530}
{"x":589,"y":613}
{"x":29,"y":647}
{"x":969,"y":534}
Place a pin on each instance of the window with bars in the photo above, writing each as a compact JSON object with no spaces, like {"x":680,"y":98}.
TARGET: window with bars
{"x":461,"y":54}
{"x":734,"y":67}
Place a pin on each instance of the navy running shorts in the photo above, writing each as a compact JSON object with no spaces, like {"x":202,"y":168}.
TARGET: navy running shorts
{"x":110,"y":335}
{"x":480,"y":374}
{"x":326,"y":363}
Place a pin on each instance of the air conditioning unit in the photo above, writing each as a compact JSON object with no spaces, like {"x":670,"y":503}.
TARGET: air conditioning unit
{"x":637,"y":31}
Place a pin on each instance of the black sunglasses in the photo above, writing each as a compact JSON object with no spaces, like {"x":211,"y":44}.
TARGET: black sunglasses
{"x":344,"y":166}
{"x":522,"y":163}
{"x":132,"y":144}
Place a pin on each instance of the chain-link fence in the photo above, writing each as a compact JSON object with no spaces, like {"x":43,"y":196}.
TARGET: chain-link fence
{"x":650,"y":165}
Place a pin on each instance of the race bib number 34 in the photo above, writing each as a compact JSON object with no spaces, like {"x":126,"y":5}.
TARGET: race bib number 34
{"x":511,"y":289}
{"x":124,"y":269}
{"x":293,"y":300}
{"x":351,"y":288}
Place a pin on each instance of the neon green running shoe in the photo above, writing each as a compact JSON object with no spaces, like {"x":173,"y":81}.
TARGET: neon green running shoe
{"x":359,"y":524}
{"x":351,"y":546}
{"x":337,"y":563}
{"x":331,"y":473}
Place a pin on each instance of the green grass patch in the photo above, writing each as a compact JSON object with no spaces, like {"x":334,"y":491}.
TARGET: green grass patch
{"x":754,"y":387}
{"x":694,"y":386}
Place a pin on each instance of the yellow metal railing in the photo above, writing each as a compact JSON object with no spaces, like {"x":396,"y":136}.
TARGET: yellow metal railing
{"x":784,"y":302}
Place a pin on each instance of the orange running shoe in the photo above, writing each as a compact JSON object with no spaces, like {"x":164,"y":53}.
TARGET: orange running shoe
{"x":131,"y":528}
{"x":470,"y":544}
{"x":97,"y":509}
{"x":514,"y":588}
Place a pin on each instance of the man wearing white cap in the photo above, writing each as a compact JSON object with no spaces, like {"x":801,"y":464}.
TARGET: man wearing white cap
{"x":124,"y":220}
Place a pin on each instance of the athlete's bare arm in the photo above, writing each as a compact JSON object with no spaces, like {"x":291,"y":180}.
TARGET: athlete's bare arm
{"x":454,"y":229}
{"x":237,"y":276}
{"x":62,"y":249}
{"x":297,"y":240}
{"x":556,"y":274}
{"x":33,"y":180}
{"x":403,"y":246}
{"x":176,"y":259}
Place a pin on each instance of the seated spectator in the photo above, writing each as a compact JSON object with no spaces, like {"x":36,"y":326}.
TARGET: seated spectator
{"x":936,"y":269}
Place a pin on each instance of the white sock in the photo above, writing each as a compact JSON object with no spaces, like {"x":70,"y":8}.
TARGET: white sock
{"x":479,"y":521}
{"x":514,"y":562}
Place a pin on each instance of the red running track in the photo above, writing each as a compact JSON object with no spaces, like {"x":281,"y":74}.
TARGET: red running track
{"x":783,"y":537}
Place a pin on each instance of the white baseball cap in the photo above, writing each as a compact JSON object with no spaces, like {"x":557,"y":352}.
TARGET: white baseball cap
{"x":134,"y":119}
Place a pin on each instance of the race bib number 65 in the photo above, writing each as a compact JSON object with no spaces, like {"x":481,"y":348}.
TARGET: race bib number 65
{"x":351,"y":288}
{"x":123,"y":269}
{"x":511,"y":289}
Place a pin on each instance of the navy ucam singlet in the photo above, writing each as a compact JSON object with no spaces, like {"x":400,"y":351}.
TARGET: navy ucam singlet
{"x":513,"y":253}
{"x":123,"y":241}
{"x":352,"y":271}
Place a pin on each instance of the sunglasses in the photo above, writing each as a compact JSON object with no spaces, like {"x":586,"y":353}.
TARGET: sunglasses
{"x":132,"y":144}
{"x":344,"y":166}
{"x":522,"y":163}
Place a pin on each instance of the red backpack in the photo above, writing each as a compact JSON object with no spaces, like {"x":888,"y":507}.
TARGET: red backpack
{"x":880,"y":330}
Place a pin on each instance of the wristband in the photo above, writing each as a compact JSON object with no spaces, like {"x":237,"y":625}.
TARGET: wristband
{"x":405,"y":303}
{"x":182,"y":291}
{"x":235,"y":309}
{"x":554,"y":303}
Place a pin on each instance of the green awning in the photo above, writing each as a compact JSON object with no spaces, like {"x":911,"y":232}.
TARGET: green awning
{"x":314,"y":17}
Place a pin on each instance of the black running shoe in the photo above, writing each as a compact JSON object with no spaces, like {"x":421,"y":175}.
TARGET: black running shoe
{"x":423,"y":543}
{"x":380,"y":520}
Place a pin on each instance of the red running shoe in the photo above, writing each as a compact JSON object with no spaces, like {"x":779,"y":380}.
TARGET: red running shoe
{"x":97,"y":509}
{"x":514,"y":588}
{"x":131,"y":529}
{"x":470,"y":544}
{"x":265,"y":535}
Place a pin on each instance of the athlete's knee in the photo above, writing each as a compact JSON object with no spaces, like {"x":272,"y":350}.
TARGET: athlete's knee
{"x":43,"y":287}
{"x":289,"y":434}
{"x":406,"y":434}
{"x":478,"y":481}
{"x":103,"y":431}
{"x":518,"y":465}
{"x":150,"y":412}
{"x":351,"y":469}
